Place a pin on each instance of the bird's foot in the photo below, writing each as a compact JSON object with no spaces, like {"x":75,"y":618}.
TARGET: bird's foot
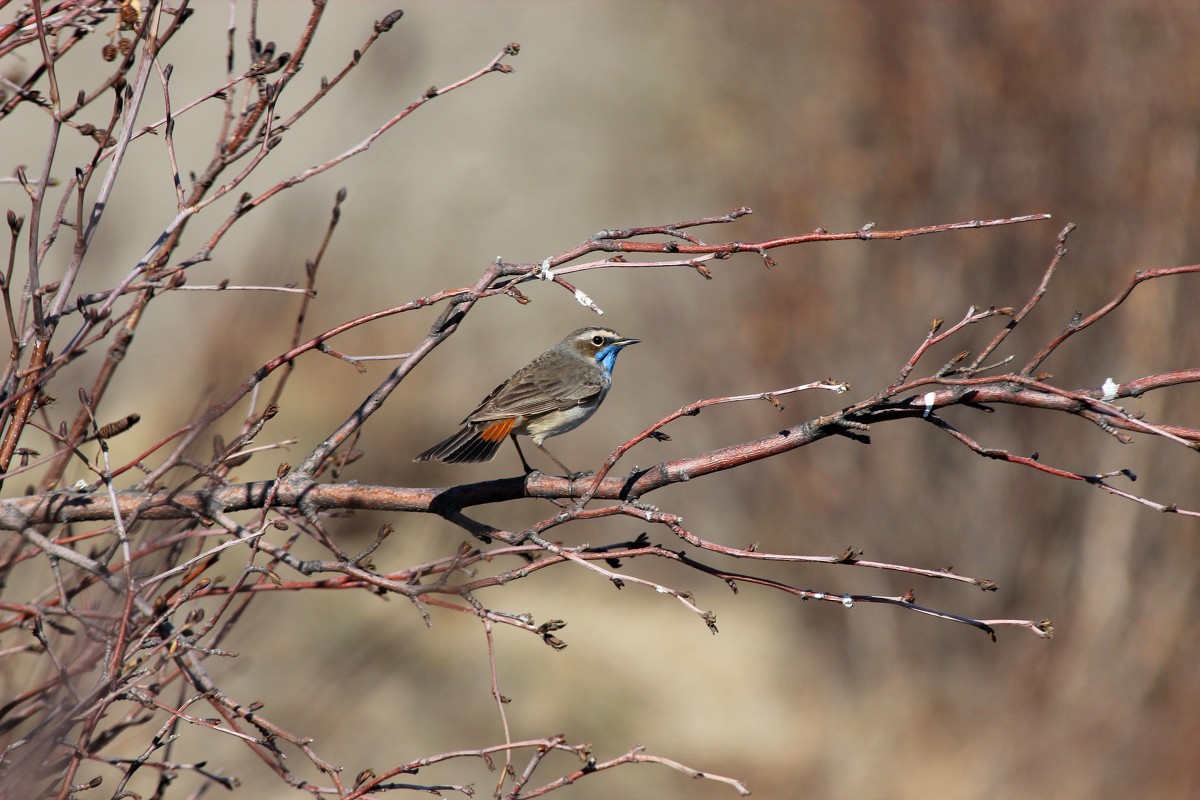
{"x":574,"y":476}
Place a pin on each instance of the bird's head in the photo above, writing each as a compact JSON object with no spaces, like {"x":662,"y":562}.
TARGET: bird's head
{"x":601,"y":344}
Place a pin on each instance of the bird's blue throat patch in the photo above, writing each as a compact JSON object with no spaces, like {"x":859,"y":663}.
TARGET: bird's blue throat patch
{"x":607,"y":356}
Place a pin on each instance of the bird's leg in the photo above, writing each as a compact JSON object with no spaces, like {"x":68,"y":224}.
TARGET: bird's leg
{"x":524,"y":463}
{"x":567,"y":471}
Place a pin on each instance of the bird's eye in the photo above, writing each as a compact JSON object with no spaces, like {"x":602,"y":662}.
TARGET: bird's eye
{"x":597,"y":340}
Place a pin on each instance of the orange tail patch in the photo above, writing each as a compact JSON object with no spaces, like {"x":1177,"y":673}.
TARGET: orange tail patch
{"x":496,"y":431}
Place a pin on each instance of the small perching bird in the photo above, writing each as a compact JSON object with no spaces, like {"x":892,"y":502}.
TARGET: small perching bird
{"x":553,"y":394}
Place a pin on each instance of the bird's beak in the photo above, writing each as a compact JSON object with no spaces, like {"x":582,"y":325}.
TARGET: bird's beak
{"x":626,"y":342}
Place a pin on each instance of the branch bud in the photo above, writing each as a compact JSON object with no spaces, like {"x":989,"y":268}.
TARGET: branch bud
{"x":384,"y":25}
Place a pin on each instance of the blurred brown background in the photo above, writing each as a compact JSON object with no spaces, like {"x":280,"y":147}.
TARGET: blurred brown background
{"x":813,"y":114}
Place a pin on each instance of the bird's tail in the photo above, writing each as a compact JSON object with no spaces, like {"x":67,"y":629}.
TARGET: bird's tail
{"x":475,"y":443}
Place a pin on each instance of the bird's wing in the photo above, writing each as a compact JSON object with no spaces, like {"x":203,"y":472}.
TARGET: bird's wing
{"x":537,"y":389}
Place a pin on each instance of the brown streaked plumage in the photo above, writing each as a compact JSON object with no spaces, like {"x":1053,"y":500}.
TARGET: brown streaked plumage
{"x":553,"y":394}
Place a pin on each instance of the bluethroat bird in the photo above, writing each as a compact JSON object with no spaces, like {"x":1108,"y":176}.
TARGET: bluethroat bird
{"x":553,"y":394}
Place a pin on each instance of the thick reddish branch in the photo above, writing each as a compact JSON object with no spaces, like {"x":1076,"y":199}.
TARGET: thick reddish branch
{"x":18,"y":513}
